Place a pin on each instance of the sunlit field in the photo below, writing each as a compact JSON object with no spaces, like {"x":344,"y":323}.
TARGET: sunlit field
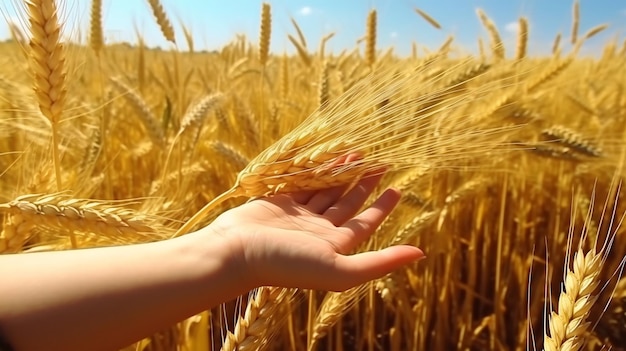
{"x":510,"y":166}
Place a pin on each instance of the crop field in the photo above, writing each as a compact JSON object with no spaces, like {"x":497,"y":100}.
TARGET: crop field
{"x":510,"y":165}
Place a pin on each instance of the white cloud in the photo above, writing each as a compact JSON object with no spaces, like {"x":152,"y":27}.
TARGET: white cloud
{"x":511,"y":27}
{"x":393,"y":35}
{"x":305,"y":11}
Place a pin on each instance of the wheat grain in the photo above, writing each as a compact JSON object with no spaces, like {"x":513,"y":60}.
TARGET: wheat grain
{"x":252,"y":329}
{"x":284,"y":78}
{"x":575,"y":21}
{"x":154,"y":130}
{"x":161,"y":18}
{"x":594,"y":31}
{"x":195,"y":115}
{"x":308,"y":158}
{"x":265,"y":33}
{"x":96,"y":38}
{"x":48,"y":64}
{"x":428,"y":18}
{"x":323,"y":86}
{"x":16,"y":232}
{"x":230,"y":153}
{"x":302,"y":52}
{"x":556,"y":45}
{"x":522,"y":38}
{"x":188,"y":38}
{"x":409,"y":232}
{"x":333,"y":307}
{"x":572,"y":139}
{"x":76,"y":215}
{"x":323,"y":41}
{"x":568,"y":325}
{"x":370,"y":41}
{"x":497,"y":48}
{"x":299,"y":31}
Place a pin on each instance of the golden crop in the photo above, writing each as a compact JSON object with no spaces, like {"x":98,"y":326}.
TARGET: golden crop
{"x":510,"y":167}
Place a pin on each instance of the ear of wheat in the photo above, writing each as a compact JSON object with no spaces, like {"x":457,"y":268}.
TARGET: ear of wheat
{"x":266,"y":33}
{"x":401,"y":129}
{"x":96,"y":38}
{"x":428,"y":18}
{"x":497,"y":47}
{"x":48,"y":64}
{"x":162,"y":20}
{"x":76,"y":215}
{"x":575,"y":21}
{"x":568,"y":325}
{"x":370,"y":38}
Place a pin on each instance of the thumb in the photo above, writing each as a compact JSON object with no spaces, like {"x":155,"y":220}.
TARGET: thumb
{"x":363,"y":267}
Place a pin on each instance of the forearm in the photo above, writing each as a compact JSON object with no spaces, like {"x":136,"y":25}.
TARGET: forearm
{"x":109,"y":297}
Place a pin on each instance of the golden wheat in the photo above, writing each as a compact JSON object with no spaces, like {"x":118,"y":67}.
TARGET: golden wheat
{"x":162,"y":20}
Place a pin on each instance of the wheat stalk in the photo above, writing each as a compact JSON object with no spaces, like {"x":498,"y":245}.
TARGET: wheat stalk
{"x":77,"y":215}
{"x":428,"y":18}
{"x":323,"y":86}
{"x":252,"y":331}
{"x":188,"y":38}
{"x":522,"y":39}
{"x":302,"y":51}
{"x":266,"y":33}
{"x":572,"y":139}
{"x":333,"y":307}
{"x":96,"y":39}
{"x":370,"y":39}
{"x":575,"y":21}
{"x":568,"y":325}
{"x":497,"y":48}
{"x":154,"y":130}
{"x":48,"y":64}
{"x":556,"y":44}
{"x":161,"y":18}
{"x":16,"y":232}
{"x":299,"y":31}
{"x":611,"y":324}
{"x":594,"y":31}
{"x":195,"y":115}
{"x":230,"y":153}
{"x":309,"y":157}
{"x":323,"y":41}
{"x":284,"y":78}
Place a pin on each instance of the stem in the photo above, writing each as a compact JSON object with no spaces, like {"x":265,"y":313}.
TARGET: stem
{"x":55,"y":156}
{"x":233,"y":192}
{"x":57,"y":170}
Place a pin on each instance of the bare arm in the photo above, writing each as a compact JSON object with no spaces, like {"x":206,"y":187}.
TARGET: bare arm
{"x":107,"y":298}
{"x":110,"y":297}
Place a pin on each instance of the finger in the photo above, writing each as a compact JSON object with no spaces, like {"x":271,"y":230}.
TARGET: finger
{"x":351,"y":202}
{"x":363,"y":225}
{"x":363,"y":267}
{"x":322,"y":200}
{"x":303,"y":197}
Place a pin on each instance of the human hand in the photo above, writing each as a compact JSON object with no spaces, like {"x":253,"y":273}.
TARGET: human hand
{"x":304,"y":240}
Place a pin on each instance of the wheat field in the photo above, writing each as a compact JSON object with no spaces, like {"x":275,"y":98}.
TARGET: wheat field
{"x":510,"y":167}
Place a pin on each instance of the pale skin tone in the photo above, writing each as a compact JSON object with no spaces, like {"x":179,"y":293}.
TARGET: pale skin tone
{"x":107,"y":298}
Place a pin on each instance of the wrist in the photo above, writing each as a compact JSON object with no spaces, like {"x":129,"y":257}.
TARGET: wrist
{"x":222,"y":259}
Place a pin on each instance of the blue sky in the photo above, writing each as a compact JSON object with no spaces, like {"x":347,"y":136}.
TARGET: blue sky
{"x":214,"y":23}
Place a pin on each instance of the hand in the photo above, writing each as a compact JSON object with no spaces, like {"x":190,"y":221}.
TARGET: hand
{"x":304,"y":240}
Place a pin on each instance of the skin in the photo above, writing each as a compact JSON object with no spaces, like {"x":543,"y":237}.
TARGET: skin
{"x":118,"y":295}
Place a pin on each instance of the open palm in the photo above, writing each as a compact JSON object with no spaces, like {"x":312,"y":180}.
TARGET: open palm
{"x":304,"y":240}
